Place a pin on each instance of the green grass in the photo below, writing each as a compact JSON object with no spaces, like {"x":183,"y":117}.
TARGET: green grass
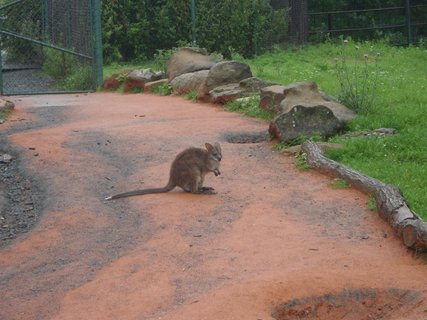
{"x":400,"y":102}
{"x":250,"y":107}
{"x":339,"y":184}
{"x":192,"y":95}
{"x":5,"y":113}
{"x":164,"y":89}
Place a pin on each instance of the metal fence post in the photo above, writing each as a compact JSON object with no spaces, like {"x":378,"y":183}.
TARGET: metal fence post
{"x":1,"y":61}
{"x":193,"y":22}
{"x":96,"y":17}
{"x":255,"y":31}
{"x":298,"y":24}
{"x":408,"y":21}
{"x":45,"y":20}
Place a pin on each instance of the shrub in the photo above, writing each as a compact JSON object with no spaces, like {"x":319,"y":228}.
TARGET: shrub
{"x":139,"y":30}
{"x":67,"y":71}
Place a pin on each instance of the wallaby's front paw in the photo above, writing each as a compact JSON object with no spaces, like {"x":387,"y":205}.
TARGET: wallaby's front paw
{"x":207,"y":190}
{"x":217,"y":173}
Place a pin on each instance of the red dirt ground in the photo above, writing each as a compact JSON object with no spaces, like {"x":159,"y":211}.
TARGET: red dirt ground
{"x":271,"y":234}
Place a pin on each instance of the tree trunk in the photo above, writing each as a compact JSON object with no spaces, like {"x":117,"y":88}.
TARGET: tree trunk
{"x":390,"y":203}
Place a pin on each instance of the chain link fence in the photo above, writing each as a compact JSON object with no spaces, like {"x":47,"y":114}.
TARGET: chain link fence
{"x":401,"y":21}
{"x":50,"y":46}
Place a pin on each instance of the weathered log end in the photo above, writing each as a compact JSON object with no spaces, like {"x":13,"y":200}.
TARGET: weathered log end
{"x":414,"y":233}
{"x":409,"y":235}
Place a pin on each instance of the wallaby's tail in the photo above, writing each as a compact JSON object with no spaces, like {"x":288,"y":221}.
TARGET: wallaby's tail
{"x":167,"y":188}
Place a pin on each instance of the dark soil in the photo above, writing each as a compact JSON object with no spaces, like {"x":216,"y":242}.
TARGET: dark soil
{"x":360,"y":304}
{"x":20,"y":200}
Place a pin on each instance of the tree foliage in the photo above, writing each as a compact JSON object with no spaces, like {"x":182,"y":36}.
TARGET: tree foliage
{"x":137,"y":29}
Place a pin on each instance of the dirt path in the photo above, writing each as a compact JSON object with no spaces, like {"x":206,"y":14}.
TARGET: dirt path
{"x":271,"y":235}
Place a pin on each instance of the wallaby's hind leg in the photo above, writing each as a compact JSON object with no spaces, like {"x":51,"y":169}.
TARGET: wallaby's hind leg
{"x":196,"y":187}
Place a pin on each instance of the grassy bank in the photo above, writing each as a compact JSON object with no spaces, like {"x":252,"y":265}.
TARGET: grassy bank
{"x":400,"y":103}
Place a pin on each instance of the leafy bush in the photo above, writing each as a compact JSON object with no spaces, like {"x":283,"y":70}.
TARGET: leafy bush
{"x":58,"y":64}
{"x":67,"y":71}
{"x":139,"y":30}
{"x":81,"y":78}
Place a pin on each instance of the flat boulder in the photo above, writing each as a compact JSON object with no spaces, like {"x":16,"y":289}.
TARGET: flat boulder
{"x":138,"y":78}
{"x":254,"y":83}
{"x":187,"y":60}
{"x":307,"y":94}
{"x":271,"y":97}
{"x":188,"y":82}
{"x":305,"y":111}
{"x":233,"y":91}
{"x":305,"y":121}
{"x":223,"y":73}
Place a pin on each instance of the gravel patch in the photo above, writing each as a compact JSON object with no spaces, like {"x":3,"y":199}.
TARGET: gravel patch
{"x":20,"y":201}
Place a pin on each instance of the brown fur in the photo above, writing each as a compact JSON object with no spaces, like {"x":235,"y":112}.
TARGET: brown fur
{"x":187,"y":171}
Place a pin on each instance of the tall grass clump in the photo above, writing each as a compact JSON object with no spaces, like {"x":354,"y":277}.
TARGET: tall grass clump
{"x":357,"y":74}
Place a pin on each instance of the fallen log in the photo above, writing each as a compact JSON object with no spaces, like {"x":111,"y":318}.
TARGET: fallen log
{"x":391,"y":204}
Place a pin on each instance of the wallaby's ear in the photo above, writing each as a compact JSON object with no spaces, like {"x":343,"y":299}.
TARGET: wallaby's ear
{"x":208,"y":146}
{"x":217,"y":146}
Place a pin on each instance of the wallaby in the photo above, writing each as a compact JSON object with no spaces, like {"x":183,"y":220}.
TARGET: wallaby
{"x":187,"y":171}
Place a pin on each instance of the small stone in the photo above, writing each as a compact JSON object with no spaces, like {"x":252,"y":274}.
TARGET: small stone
{"x":6,"y":158}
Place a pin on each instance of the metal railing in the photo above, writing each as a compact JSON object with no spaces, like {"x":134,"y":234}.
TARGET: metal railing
{"x":403,"y":14}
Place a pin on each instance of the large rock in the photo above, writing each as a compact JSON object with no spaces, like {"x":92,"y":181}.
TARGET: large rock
{"x":271,"y":97}
{"x":188,"y":82}
{"x":305,"y":121}
{"x":223,"y":73}
{"x":254,"y":83}
{"x":226,"y":93}
{"x":305,"y":111}
{"x":308,"y":95}
{"x":229,"y":92}
{"x":188,"y":60}
{"x":138,"y":78}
